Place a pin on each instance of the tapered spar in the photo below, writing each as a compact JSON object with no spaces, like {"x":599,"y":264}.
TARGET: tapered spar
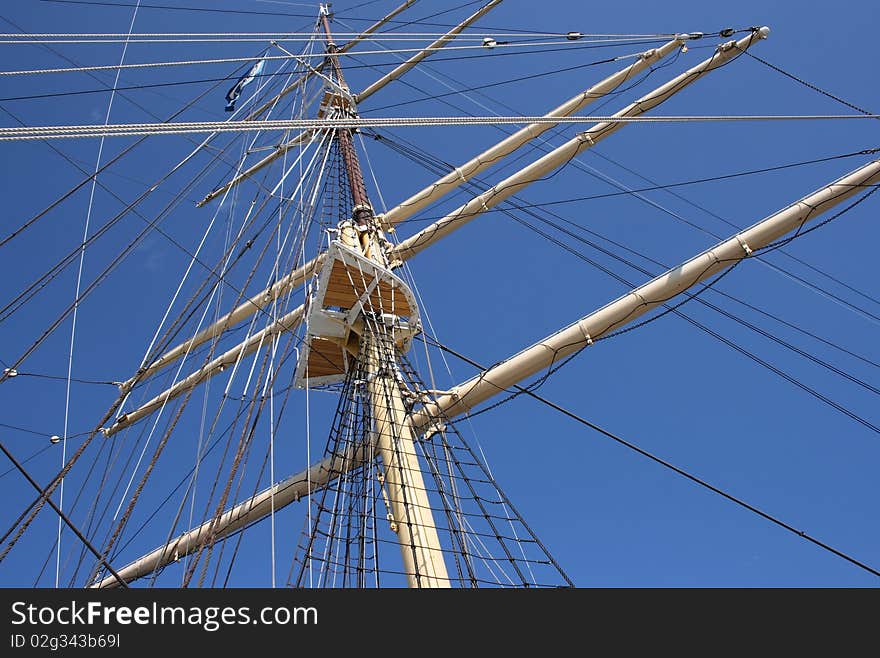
{"x":375,"y":26}
{"x":528,"y":362}
{"x":240,"y":516}
{"x":230,"y":357}
{"x":571,"y":149}
{"x":475,"y":166}
{"x":404,"y":210}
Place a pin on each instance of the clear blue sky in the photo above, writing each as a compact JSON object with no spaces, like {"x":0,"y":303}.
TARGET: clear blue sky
{"x":610,"y":516}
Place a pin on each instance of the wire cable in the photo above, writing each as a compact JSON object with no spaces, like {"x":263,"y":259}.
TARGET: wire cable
{"x":522,"y":205}
{"x":809,"y":85}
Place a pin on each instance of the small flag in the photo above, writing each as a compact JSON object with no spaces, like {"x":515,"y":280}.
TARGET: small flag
{"x":247,"y":78}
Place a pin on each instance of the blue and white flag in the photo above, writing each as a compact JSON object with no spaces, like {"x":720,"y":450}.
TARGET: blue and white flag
{"x":247,"y":78}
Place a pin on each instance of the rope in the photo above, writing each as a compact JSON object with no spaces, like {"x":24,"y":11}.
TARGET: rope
{"x":307,"y":36}
{"x":182,"y":128}
{"x":82,"y":256}
{"x":146,"y":65}
{"x":38,"y":504}
{"x":677,"y":470}
{"x":322,"y":56}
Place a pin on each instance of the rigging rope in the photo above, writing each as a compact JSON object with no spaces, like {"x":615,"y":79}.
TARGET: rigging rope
{"x":61,"y":514}
{"x":321,"y":56}
{"x":348,"y":68}
{"x":308,"y":36}
{"x":180,"y":128}
{"x":75,"y":313}
{"x":190,"y":569}
{"x":809,"y":85}
{"x":658,"y":186}
{"x":42,"y":499}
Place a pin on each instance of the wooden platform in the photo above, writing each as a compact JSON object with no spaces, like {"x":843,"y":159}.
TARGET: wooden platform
{"x":348,"y":283}
{"x":348,"y":286}
{"x":334,"y":103}
{"x":325,"y":358}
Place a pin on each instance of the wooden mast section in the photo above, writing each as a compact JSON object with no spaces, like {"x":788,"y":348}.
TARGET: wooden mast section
{"x":530,"y":361}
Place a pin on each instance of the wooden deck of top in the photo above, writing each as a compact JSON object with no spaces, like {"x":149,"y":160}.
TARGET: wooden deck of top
{"x":344,"y":282}
{"x":348,"y":283}
{"x":325,"y":358}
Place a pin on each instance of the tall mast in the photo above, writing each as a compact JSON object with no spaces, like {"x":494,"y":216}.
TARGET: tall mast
{"x":410,"y":513}
{"x":530,"y":361}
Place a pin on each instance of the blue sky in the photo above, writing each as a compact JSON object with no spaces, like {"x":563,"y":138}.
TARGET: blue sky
{"x":609,"y":516}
